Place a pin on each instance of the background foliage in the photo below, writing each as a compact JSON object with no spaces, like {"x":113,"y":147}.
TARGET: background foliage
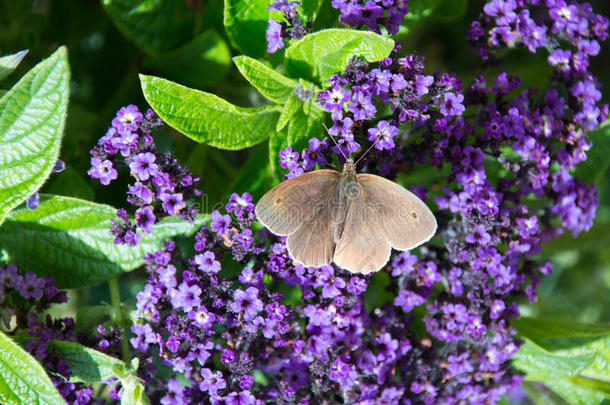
{"x":110,"y":43}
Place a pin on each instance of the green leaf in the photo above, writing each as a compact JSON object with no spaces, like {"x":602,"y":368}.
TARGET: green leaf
{"x":304,"y":126}
{"x":292,"y":105}
{"x":595,"y":167}
{"x":8,"y":63}
{"x":32,"y":117}
{"x":310,"y":9}
{"x":70,"y":239}
{"x":324,"y":53}
{"x":541,"y":365}
{"x":537,"y":329}
{"x":199,"y":63}
{"x":271,"y":84}
{"x":22,"y":378}
{"x":574,"y":393}
{"x":86,"y":364}
{"x":207,"y":118}
{"x":246,"y":23}
{"x":277,"y":142}
{"x":152,"y":25}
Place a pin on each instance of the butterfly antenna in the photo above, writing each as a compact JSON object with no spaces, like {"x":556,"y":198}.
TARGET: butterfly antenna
{"x":331,"y":137}
{"x":367,"y":151}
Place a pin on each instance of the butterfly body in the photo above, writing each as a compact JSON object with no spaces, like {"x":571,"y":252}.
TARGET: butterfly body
{"x":351,"y":219}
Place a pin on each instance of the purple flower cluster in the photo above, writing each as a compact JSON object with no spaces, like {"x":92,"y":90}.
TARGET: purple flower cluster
{"x":162,"y":186}
{"x":244,"y":324}
{"x":373,"y":14}
{"x":291,"y":25}
{"x":23,"y":298}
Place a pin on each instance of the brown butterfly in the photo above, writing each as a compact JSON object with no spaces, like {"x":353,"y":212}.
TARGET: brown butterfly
{"x":350,"y":219}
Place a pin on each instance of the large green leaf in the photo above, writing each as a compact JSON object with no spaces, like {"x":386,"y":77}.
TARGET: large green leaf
{"x":22,"y":378}
{"x":324,"y":53}
{"x":566,"y":354}
{"x":8,"y":63}
{"x":207,"y":118}
{"x":199,"y":63}
{"x":86,"y":364}
{"x":32,"y":117}
{"x":246,"y":23}
{"x":271,"y":84}
{"x":70,"y":239}
{"x":153,"y":25}
{"x":541,"y":365}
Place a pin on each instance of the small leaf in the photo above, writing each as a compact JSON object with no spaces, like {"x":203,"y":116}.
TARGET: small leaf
{"x":271,"y":84}
{"x":199,"y":63}
{"x":86,"y":364}
{"x":207,"y":118}
{"x":32,"y":117}
{"x":8,"y":63}
{"x":292,"y":105}
{"x":22,"y":378}
{"x":152,"y":25}
{"x":323,"y":53}
{"x":246,"y":23}
{"x":70,"y":239}
{"x":305,"y":126}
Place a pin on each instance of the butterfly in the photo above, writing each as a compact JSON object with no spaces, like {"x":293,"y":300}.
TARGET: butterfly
{"x":353,"y":220}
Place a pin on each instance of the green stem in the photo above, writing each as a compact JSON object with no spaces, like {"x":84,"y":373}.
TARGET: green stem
{"x":115,"y":299}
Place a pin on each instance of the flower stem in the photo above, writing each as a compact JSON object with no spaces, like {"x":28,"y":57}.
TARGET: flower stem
{"x":115,"y":299}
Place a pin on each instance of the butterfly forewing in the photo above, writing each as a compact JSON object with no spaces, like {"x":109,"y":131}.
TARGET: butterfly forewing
{"x":289,"y":205}
{"x":404,"y":220}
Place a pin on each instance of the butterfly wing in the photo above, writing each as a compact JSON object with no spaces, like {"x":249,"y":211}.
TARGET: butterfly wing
{"x":362,"y":247}
{"x":288,"y":205}
{"x":404,"y":220}
{"x":302,"y":208}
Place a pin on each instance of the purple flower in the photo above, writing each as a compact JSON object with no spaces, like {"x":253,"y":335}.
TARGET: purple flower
{"x":212,"y":381}
{"x":141,"y":194}
{"x":172,"y":203}
{"x":143,"y":166}
{"x":219,"y":223}
{"x":127,"y":119}
{"x":334,"y":98}
{"x":247,"y":302}
{"x":407,"y":300}
{"x":186,"y":297}
{"x":145,"y":218}
{"x":452,"y":105}
{"x":240,"y":204}
{"x":362,"y":106}
{"x":289,"y":158}
{"x":274,"y":36}
{"x":207,"y":263}
{"x":102,"y":170}
{"x":383,"y":135}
